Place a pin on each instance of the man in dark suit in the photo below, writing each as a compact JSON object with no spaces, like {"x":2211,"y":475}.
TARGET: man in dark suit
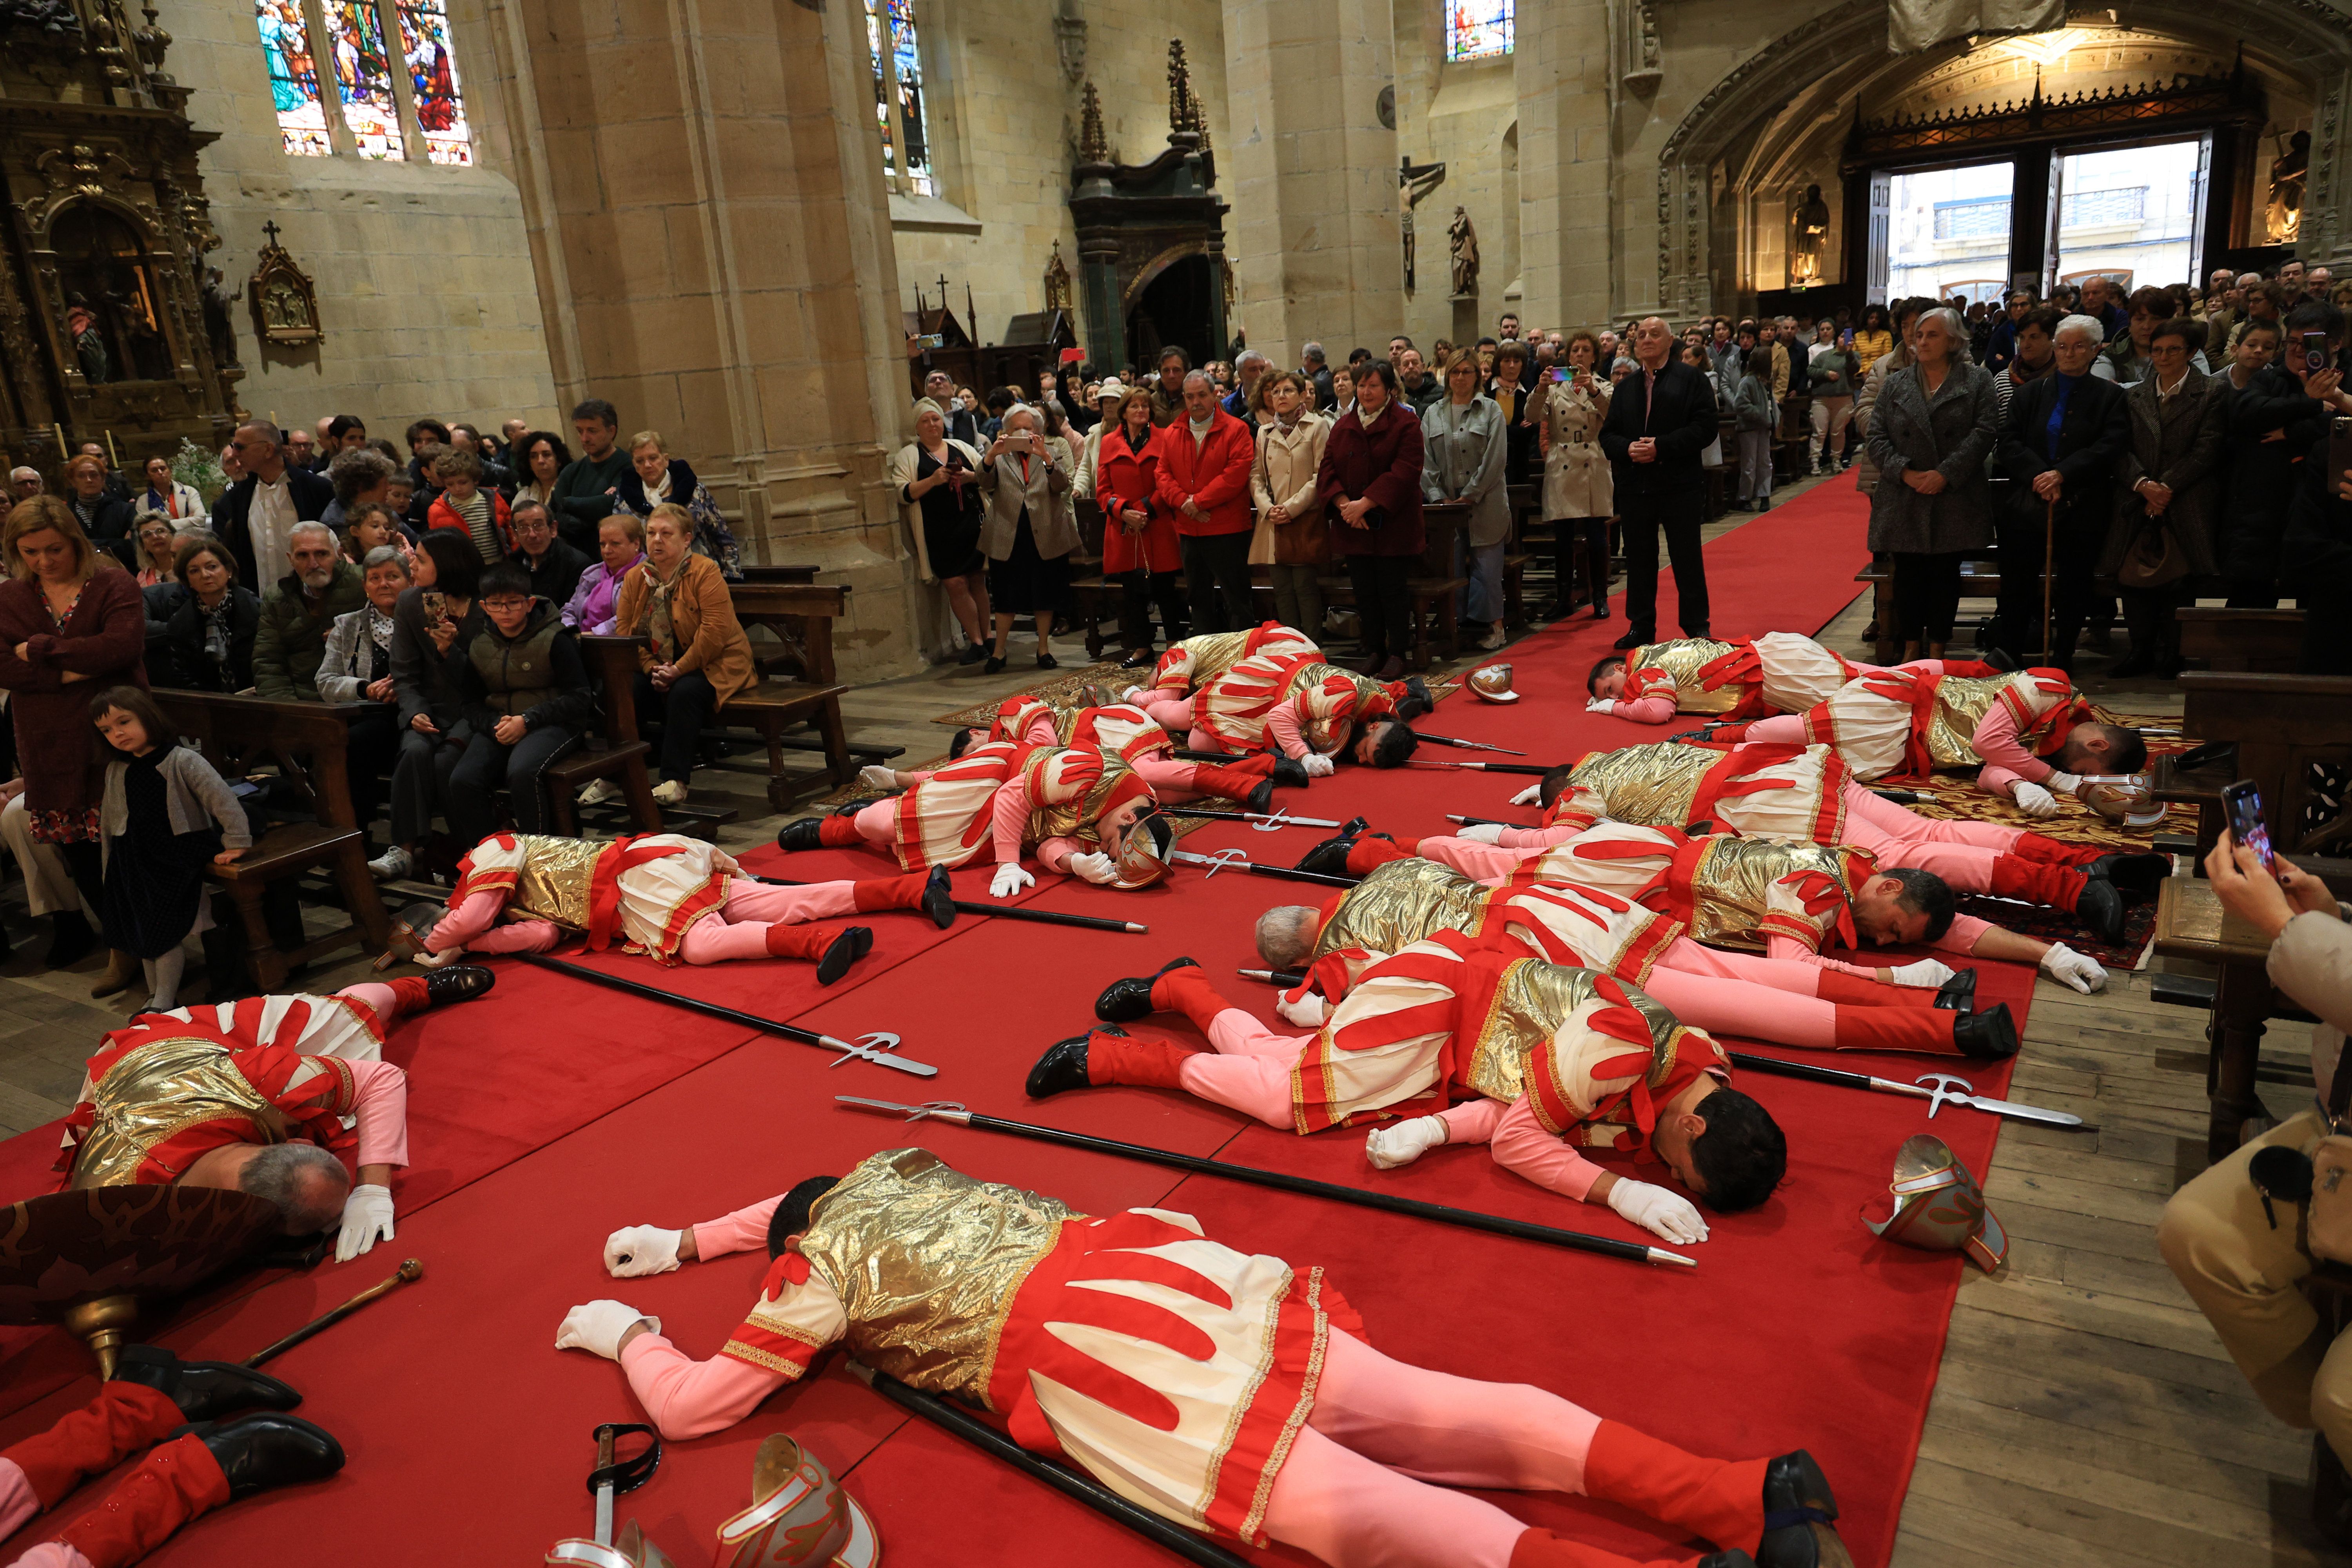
{"x":283,"y":496}
{"x":1660,"y":420}
{"x":2059,"y":452}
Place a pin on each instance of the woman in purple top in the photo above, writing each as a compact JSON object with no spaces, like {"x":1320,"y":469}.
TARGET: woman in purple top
{"x":620,"y":543}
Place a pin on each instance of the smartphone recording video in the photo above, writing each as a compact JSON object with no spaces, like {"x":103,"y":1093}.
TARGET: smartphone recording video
{"x":2242,"y":802}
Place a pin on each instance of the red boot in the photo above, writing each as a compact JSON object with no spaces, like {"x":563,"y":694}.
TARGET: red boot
{"x":1367,"y":854}
{"x":833,"y":949}
{"x":1853,"y":991}
{"x":888,"y":892}
{"x":1719,"y":1499}
{"x":176,"y":1483}
{"x":2050,"y":852}
{"x":1897,"y":1029}
{"x":1237,"y":781}
{"x":1124,"y":1058}
{"x":2038,"y":881}
{"x":124,"y":1418}
{"x":838,"y":832}
{"x":1188,"y":991}
{"x":1542,"y":1549}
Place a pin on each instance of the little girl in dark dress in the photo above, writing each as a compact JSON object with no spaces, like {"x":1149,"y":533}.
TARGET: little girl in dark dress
{"x":156,"y":832}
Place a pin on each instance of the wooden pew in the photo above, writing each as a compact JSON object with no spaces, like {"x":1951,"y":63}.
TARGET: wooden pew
{"x":308,"y":742}
{"x":796,"y":684}
{"x":2266,"y":642}
{"x":1433,"y":586}
{"x":2279,"y":724}
{"x":781,"y":574}
{"x":1979,"y":579}
{"x":615,"y":750}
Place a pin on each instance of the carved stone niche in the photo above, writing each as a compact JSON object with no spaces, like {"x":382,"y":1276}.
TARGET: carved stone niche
{"x":285,"y":303}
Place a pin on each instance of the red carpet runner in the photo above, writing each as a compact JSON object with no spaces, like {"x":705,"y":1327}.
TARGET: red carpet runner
{"x":546,"y":1116}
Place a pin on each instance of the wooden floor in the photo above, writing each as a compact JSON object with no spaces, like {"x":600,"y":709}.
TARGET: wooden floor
{"x":2085,"y":1416}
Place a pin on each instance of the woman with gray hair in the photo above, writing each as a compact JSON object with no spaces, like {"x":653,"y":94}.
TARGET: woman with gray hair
{"x":1029,"y":532}
{"x":1930,"y":432}
{"x":938,"y":481}
{"x":2059,"y":449}
{"x":357,"y":667}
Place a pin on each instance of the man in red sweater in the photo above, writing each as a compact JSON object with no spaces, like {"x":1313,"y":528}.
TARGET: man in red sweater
{"x":1204,"y":470}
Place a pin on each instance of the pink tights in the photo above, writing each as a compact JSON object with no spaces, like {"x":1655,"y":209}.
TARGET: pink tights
{"x":1961,"y":853}
{"x":1250,"y":1071}
{"x":1169,"y":779}
{"x":1744,"y":1007}
{"x":1485,"y":863}
{"x":736,"y":929}
{"x":1356,"y":1490}
{"x":1173,"y":714}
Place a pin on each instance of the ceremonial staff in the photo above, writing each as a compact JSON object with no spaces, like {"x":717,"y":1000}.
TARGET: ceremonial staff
{"x":408,"y":1271}
{"x":1281,"y":1181}
{"x":1011,"y":913}
{"x":1535,"y":768}
{"x":874,"y":1047}
{"x":1224,"y":857}
{"x":1266,"y":821}
{"x":1466,"y":745}
{"x":1185,"y":1543}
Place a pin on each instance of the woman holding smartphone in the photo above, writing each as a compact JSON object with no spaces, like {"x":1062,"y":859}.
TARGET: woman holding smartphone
{"x":1579,"y":493}
{"x":1029,"y":532}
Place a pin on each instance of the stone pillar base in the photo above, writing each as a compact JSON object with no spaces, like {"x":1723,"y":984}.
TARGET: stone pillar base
{"x":1466,"y":320}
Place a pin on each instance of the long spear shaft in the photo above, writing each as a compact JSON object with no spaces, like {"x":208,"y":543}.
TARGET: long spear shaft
{"x":1193,"y":1548}
{"x":1537,"y":768}
{"x":1263,"y":819}
{"x":748,"y":1020}
{"x":1282,"y":1181}
{"x":974,"y":907}
{"x":1466,"y":745}
{"x":1286,"y":873}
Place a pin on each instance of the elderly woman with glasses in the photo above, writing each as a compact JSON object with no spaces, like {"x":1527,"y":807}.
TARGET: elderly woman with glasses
{"x":2059,"y":449}
{"x":1930,"y":432}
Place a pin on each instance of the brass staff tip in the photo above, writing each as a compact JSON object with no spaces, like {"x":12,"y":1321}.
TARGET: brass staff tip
{"x":412,"y":1271}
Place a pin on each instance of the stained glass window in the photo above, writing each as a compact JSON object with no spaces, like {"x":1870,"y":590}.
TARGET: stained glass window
{"x":433,"y":75}
{"x":1477,"y":29}
{"x":364,"y":79}
{"x":896,"y":51}
{"x":293,"y":78}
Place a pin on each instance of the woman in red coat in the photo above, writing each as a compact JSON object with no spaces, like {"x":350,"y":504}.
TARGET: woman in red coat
{"x":1139,"y":544}
{"x":1371,"y":487}
{"x":72,"y":623}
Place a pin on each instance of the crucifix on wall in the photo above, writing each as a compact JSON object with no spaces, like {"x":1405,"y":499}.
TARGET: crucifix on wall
{"x":1414,"y":181}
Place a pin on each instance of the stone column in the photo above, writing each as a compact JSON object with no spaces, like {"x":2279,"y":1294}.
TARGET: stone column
{"x":1312,"y":174}
{"x":711,"y":228}
{"x":1560,"y":66}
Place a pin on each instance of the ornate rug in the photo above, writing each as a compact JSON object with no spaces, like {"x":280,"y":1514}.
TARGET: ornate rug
{"x":1955,"y":798}
{"x":2045,"y":925}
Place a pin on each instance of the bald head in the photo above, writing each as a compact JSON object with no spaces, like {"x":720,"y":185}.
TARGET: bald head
{"x":1653,"y":341}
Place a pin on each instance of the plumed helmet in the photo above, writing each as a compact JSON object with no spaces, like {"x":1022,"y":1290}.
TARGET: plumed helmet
{"x":799,"y":1516}
{"x":1939,"y":1205}
{"x":1492,"y":682}
{"x":410,"y":931}
{"x":1143,"y":854}
{"x":2125,"y":798}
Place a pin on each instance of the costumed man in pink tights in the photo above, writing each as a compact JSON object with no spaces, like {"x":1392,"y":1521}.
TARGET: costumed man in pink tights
{"x":673,"y":897}
{"x":1126,"y":731}
{"x":150,"y":1404}
{"x":252,"y":1095}
{"x":1310,"y":711}
{"x":1077,"y":807}
{"x":1807,"y":794}
{"x":1792,"y":998}
{"x":1780,"y":672}
{"x":1236,"y":1395}
{"x":1753,"y":892}
{"x":1193,"y":662}
{"x":2027,"y":731}
{"x":1547,"y":1057}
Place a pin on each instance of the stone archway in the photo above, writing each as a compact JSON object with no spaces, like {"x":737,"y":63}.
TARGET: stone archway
{"x":1751,"y":113}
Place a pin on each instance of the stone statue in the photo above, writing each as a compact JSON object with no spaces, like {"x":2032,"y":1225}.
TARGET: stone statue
{"x":1414,"y":181}
{"x":1809,"y":232}
{"x":220,"y":324}
{"x":2289,"y":171}
{"x":1462,"y":247}
{"x":1057,"y":281}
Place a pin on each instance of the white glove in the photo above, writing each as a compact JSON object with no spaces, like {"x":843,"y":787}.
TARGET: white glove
{"x":1667,"y":1215}
{"x":1483,"y":833}
{"x":1601,"y":705}
{"x":637,"y":1250}
{"x":1134,"y":694}
{"x":1010,"y":878}
{"x":2033,"y":800}
{"x":2064,"y":783}
{"x":1926,"y":971}
{"x":874,"y":775}
{"x":1308,"y":1012}
{"x":442,"y":959}
{"x":367,"y":1219}
{"x":1094,"y":867}
{"x":1403,"y":1143}
{"x":598,"y":1326}
{"x":1317,"y":764}
{"x":1531,"y":796}
{"x":2066,"y":966}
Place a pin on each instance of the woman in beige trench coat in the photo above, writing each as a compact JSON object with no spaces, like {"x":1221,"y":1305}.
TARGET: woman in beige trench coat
{"x":1578,"y":494}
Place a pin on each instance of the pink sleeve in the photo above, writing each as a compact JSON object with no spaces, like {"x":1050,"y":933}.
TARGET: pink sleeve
{"x":1282,"y":724}
{"x":1520,"y":1145}
{"x":1472,"y":1121}
{"x":1658,"y":710}
{"x":1790,"y":949}
{"x":688,"y":1398}
{"x":738,"y":1232}
{"x":1009,"y":819}
{"x":2007,"y":759}
{"x":517,"y":936}
{"x":1054,"y":854}
{"x":1536,"y":837}
{"x":474,"y":915}
{"x":380,"y":1101}
{"x":1966,"y":932}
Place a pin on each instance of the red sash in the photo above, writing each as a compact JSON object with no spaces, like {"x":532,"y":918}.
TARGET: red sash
{"x":605,"y":884}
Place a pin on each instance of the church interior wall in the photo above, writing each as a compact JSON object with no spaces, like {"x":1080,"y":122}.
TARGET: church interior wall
{"x":423,"y":273}
{"x":1461,"y":113}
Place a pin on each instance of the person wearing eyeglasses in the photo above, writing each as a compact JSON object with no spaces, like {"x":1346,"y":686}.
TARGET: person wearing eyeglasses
{"x":255,"y":516}
{"x":526,"y":695}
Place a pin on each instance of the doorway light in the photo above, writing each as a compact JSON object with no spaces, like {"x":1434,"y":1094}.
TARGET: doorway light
{"x":2045,"y":49}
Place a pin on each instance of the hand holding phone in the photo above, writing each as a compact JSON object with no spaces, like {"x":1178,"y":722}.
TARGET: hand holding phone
{"x":2241,"y":802}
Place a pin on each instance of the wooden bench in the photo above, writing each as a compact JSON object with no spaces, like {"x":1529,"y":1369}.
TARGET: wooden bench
{"x":797,"y":684}
{"x":781,"y":574}
{"x":615,"y":750}
{"x":1979,"y":579}
{"x":2268,"y":642}
{"x":308,"y":742}
{"x":2280,"y":724}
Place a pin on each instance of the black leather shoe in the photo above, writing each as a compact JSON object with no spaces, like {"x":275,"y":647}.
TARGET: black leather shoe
{"x":1988,"y":1037}
{"x":1289,"y":772}
{"x":1630,"y":640}
{"x":1734,"y":1557}
{"x":1330,"y":857}
{"x":458,"y":982}
{"x":804,"y":834}
{"x":992,"y":664}
{"x":259,"y":1452}
{"x":203,"y":1390}
{"x":1125,"y":1001}
{"x":1142,"y":659}
{"x":2101,"y":908}
{"x":938,"y":898}
{"x":1601,"y":610}
{"x":1354,"y":825}
{"x":1064,"y":1066}
{"x":1958,"y":995}
{"x":1417,"y":700}
{"x":847,"y":948}
{"x":2136,"y":876}
{"x":1699,"y":737}
{"x":1799,"y":1517}
{"x":1261,"y":798}
{"x":2000,"y":658}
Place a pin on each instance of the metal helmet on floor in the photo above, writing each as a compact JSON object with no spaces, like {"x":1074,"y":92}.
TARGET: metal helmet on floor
{"x":2125,"y":798}
{"x":1492,"y":682}
{"x":1939,"y":1206}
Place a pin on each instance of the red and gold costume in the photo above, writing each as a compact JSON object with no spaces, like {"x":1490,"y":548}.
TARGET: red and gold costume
{"x":1193,"y":662}
{"x":1789,"y":791}
{"x":1123,"y":730}
{"x":1009,"y":794}
{"x":643,"y":891}
{"x":1253,"y":703}
{"x":1906,"y":723}
{"x":1675,"y":668}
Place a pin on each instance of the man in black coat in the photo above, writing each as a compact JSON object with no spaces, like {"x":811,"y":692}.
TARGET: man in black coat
{"x":552,"y":565}
{"x":287,"y":496}
{"x":2059,"y":449}
{"x":2273,"y":423}
{"x":1660,"y":420}
{"x":2317,"y":554}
